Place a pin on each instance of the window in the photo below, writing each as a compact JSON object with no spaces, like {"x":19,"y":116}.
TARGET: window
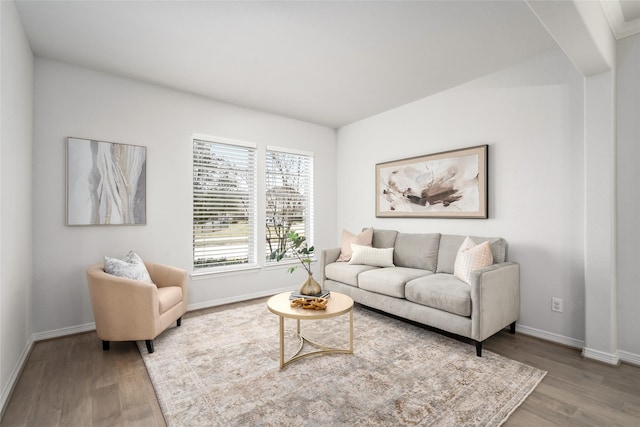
{"x":224,"y":203}
{"x":289,"y":196}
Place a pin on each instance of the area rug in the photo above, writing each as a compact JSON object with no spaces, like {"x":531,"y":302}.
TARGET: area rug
{"x":222,"y":369}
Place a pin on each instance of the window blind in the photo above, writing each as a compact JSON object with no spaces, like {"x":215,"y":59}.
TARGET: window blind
{"x":289,"y":196}
{"x":224,"y":204}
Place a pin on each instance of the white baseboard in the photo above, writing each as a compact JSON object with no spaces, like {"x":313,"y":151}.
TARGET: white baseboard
{"x":56,"y":333}
{"x":22,"y":361}
{"x":608,"y":358}
{"x":631,"y":358}
{"x":62,"y":332}
{"x":246,"y":297}
{"x":550,"y":336}
{"x":601,"y":356}
{"x":15,"y":374}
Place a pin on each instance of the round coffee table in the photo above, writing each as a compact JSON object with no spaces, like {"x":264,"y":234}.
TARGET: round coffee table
{"x":337,"y":305}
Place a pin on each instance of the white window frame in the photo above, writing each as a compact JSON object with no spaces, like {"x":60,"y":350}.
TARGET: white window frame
{"x":308,"y":197}
{"x":230,"y":148}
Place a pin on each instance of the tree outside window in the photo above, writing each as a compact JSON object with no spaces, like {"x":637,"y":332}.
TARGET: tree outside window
{"x":289,"y":199}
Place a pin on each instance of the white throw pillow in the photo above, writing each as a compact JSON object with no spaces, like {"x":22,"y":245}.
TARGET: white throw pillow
{"x":131,"y":267}
{"x":471,"y":257}
{"x":363,"y":239}
{"x":371,"y":256}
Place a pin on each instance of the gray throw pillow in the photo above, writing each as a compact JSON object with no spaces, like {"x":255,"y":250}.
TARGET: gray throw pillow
{"x":131,"y":267}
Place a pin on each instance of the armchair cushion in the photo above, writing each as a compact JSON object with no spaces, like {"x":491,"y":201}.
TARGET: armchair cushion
{"x":168,"y":297}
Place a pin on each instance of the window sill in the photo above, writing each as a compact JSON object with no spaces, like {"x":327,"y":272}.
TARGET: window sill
{"x":233,"y":270}
{"x":224,"y":271}
{"x":286,"y":264}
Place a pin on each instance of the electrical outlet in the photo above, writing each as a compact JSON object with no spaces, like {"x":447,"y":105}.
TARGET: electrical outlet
{"x":556,"y":304}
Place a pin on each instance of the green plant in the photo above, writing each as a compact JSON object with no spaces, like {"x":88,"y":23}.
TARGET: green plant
{"x":298,"y":247}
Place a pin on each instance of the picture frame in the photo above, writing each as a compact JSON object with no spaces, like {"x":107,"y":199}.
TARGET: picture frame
{"x":449,"y":184}
{"x":106,"y":183}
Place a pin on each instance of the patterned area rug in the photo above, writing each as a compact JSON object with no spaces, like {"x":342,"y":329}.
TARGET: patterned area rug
{"x":222,"y":369}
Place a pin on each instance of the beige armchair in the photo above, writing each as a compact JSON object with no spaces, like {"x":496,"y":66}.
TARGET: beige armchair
{"x":131,"y":310}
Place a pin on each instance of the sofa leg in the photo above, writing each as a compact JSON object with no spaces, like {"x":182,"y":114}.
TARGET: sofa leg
{"x":479,"y":348}
{"x":179,"y":321}
{"x":512,"y":328}
{"x":105,"y":345}
{"x":149,"y":345}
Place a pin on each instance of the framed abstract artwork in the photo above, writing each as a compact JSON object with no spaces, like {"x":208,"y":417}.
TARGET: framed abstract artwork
{"x":106,"y":183}
{"x":451,"y":184}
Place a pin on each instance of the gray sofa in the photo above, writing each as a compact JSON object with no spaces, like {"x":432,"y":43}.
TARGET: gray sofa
{"x":422,"y":288}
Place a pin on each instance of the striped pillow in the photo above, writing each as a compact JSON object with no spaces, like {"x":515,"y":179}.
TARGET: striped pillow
{"x":371,"y":256}
{"x":471,"y":257}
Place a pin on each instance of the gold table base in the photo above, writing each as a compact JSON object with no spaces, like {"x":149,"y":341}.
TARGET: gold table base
{"x":322,"y":348}
{"x":337,"y":305}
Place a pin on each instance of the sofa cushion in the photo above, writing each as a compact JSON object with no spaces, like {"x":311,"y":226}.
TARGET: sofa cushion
{"x":471,"y":257}
{"x":371,"y":256}
{"x":442,"y":291}
{"x":384,"y":238}
{"x":417,"y":251}
{"x":449,"y":245}
{"x":364,"y":239}
{"x":389,"y":281}
{"x":345,"y":273}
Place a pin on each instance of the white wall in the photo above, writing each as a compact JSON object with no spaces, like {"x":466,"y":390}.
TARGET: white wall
{"x":628,"y":196}
{"x":73,"y":101}
{"x":532,"y":118}
{"x":601,"y":340}
{"x":16,"y":124}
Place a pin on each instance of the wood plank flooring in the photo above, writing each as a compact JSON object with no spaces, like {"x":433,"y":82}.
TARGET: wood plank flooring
{"x":70,"y":381}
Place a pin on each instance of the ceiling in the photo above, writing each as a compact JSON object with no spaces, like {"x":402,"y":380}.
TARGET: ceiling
{"x":623,"y":16}
{"x":630,"y":9}
{"x":325,"y":62}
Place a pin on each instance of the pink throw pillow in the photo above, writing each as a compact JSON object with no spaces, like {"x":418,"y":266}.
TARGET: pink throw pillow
{"x":363,"y":239}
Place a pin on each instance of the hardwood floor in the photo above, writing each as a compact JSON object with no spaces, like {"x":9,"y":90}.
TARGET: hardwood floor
{"x":70,"y":381}
{"x":576,"y":391}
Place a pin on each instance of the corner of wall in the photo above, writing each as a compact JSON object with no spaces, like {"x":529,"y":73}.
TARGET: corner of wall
{"x":16,"y":148}
{"x":8,"y":387}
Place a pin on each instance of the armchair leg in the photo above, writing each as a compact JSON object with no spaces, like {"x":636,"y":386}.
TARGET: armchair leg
{"x":179,"y":321}
{"x":149,"y":345}
{"x":512,"y":328}
{"x":479,"y":348}
{"x":105,"y":345}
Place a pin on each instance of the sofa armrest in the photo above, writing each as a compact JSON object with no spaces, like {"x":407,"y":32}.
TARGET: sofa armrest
{"x":328,"y":256}
{"x":495,"y":299}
